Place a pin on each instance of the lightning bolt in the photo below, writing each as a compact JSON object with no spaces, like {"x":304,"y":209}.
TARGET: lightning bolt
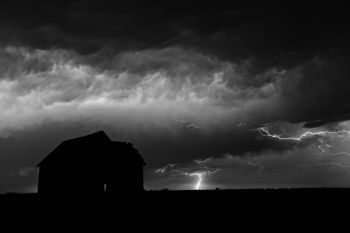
{"x":322,"y":146}
{"x":264,"y":131}
{"x":200,"y":170}
{"x":200,"y":176}
{"x":198,"y":185}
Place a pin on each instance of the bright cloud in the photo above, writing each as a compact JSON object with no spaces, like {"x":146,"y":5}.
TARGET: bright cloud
{"x":133,"y":89}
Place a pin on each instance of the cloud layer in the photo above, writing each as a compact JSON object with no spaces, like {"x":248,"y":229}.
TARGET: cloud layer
{"x":133,"y":89}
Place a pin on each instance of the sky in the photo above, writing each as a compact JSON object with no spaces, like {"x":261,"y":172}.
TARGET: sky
{"x":213,"y":95}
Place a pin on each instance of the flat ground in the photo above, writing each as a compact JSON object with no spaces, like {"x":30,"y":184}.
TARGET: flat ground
{"x":155,"y":209}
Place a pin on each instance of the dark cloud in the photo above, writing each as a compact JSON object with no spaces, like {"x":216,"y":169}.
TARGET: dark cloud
{"x":289,"y":30}
{"x":325,"y":121}
{"x":320,"y":90}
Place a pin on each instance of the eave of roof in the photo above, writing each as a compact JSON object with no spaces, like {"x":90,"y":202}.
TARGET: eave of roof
{"x":101,"y":134}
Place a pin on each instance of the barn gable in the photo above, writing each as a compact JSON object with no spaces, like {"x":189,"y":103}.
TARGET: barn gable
{"x":61,"y":152}
{"x":89,"y":163}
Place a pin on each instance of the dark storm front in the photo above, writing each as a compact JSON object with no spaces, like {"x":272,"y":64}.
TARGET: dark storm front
{"x":91,"y":164}
{"x":234,"y":95}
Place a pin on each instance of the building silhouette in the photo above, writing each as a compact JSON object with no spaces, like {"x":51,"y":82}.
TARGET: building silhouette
{"x":92,"y":164}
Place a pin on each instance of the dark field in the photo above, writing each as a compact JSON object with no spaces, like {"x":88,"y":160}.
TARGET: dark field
{"x":243,"y":208}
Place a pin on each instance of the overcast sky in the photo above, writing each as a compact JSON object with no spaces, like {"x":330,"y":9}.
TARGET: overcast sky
{"x":246,"y":95}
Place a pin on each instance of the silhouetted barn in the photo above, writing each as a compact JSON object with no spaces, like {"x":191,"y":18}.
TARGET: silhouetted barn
{"x":91,"y":164}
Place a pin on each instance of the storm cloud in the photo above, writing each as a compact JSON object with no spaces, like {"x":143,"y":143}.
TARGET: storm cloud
{"x":183,"y":82}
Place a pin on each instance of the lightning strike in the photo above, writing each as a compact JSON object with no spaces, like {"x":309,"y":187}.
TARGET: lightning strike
{"x":200,"y":170}
{"x":200,"y":176}
{"x":266,"y":133}
{"x":322,"y":145}
{"x":198,"y":185}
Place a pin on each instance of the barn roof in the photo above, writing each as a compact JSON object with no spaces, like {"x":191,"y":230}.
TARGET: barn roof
{"x":99,"y":139}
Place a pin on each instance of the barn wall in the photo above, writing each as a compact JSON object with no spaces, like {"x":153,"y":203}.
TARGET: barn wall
{"x":90,"y":171}
{"x":130,"y":180}
{"x":69,"y":180}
